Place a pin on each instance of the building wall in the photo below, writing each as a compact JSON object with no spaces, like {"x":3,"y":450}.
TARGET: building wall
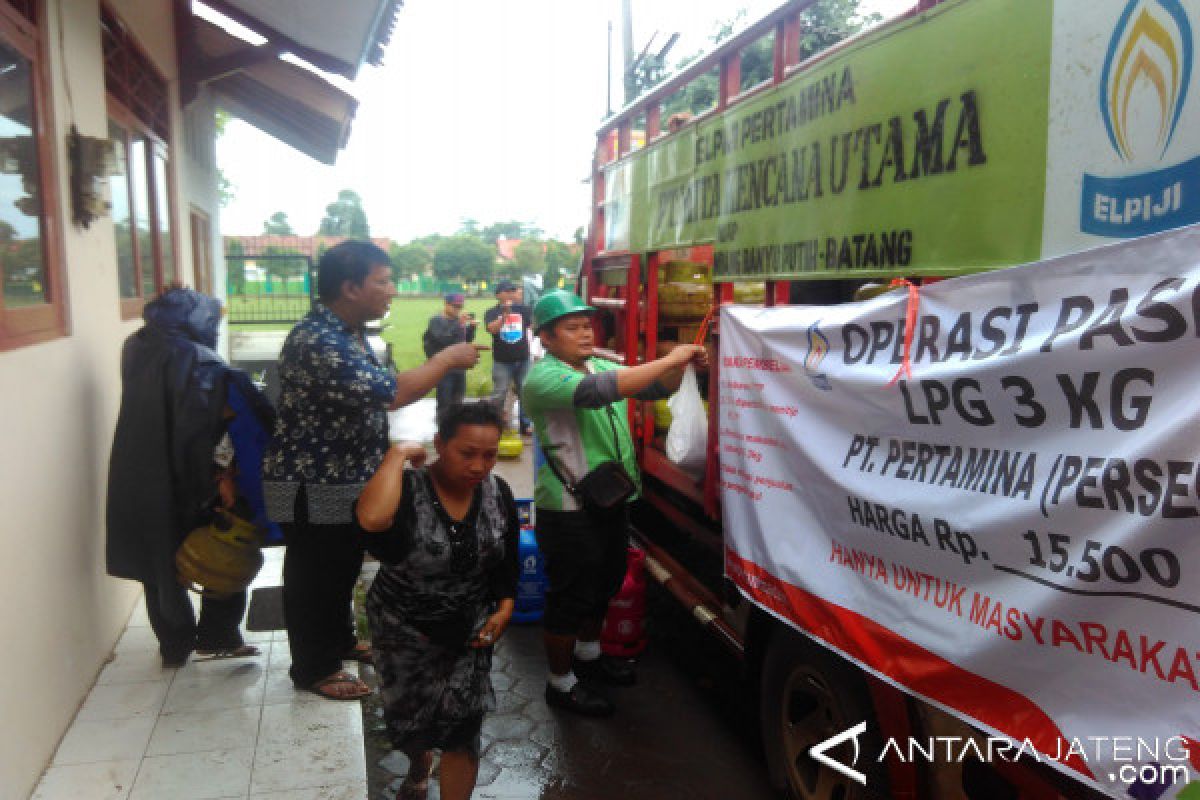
{"x":62,"y":615}
{"x":199,"y":165}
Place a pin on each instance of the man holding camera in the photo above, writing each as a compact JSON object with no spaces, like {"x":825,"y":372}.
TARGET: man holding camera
{"x":583,"y":486}
{"x":453,"y":326}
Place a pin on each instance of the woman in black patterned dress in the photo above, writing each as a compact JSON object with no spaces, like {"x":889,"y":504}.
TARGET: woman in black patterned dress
{"x":447,"y":535}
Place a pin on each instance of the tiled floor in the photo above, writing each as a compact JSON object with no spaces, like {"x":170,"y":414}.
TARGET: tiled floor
{"x":207,"y":731}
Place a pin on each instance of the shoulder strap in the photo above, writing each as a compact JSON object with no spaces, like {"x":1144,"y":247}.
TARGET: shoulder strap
{"x":568,"y":485}
{"x":572,"y":487}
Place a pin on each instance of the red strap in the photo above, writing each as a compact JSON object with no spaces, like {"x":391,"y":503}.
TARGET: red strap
{"x":704,"y":323}
{"x":910,"y":326}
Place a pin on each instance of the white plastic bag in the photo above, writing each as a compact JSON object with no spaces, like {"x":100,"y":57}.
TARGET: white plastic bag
{"x":687,"y":439}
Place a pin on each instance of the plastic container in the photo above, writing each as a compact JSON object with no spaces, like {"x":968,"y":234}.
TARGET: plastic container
{"x":510,"y":445}
{"x":530,"y":602}
{"x":624,"y":631}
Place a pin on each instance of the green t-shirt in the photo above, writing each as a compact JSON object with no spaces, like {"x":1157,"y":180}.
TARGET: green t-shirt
{"x":578,"y":439}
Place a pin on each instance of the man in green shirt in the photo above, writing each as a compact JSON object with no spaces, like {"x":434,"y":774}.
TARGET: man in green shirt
{"x":578,"y":407}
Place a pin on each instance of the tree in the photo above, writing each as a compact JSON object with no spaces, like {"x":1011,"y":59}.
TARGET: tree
{"x":502,"y":230}
{"x":345,"y":217}
{"x":409,"y":259}
{"x":823,"y":24}
{"x":277,"y":225}
{"x":510,"y":230}
{"x":463,"y":258}
{"x":225,"y":187}
{"x":430,"y":242}
{"x":827,"y":22}
{"x":285,"y":269}
{"x":235,"y":267}
{"x":560,"y":263}
{"x":529,"y":258}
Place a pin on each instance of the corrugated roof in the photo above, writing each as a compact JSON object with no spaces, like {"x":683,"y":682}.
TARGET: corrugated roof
{"x":338,"y":37}
{"x":283,"y":100}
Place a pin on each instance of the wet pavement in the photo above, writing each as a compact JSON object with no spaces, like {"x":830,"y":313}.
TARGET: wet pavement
{"x":683,"y":731}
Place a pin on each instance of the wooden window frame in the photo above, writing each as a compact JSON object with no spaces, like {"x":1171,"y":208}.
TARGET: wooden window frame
{"x":131,"y":307}
{"x":156,"y":133}
{"x":28,"y":325}
{"x":202,"y":260}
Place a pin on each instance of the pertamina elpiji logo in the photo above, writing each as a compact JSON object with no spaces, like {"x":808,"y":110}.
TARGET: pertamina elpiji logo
{"x":1142,"y":94}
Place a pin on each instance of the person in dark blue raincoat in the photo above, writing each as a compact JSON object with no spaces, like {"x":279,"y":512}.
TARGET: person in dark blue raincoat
{"x":178,"y":399}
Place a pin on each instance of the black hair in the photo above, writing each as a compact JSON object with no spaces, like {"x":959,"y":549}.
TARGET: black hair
{"x":552,"y":325}
{"x":480,"y":412}
{"x":350,"y":260}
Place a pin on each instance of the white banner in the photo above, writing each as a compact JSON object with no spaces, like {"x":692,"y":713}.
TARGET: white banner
{"x":1013,"y":531}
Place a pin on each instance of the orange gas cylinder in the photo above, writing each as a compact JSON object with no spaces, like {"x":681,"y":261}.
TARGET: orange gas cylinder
{"x":624,"y":631}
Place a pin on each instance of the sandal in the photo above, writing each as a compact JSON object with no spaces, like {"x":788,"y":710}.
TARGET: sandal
{"x":325,"y":687}
{"x":361,"y":653}
{"x":415,"y":790}
{"x":245,"y":651}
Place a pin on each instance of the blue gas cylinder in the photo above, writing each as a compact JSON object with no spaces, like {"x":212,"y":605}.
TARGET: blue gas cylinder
{"x":531,"y":582}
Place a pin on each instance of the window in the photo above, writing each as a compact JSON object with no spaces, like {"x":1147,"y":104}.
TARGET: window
{"x":142,"y":192}
{"x":32,"y":307}
{"x":202,"y":251}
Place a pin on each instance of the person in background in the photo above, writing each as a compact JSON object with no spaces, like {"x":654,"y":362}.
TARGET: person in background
{"x":171,"y":459}
{"x":448,"y":328}
{"x":447,"y":536}
{"x":508,"y":322}
{"x":578,"y":406}
{"x":330,"y":438}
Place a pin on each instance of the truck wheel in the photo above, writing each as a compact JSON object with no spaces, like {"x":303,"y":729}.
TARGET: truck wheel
{"x":809,"y":694}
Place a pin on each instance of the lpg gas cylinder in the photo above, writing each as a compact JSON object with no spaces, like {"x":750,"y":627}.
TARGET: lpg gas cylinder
{"x":531,"y":582}
{"x":624,"y":631}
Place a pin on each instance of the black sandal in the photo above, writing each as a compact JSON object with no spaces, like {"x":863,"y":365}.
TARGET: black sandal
{"x":245,"y":651}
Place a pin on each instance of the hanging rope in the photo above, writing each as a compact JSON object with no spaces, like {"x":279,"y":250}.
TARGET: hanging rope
{"x":703,"y":331}
{"x":910,"y":326}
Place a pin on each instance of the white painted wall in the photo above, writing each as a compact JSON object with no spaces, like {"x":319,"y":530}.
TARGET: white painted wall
{"x":61,"y":614}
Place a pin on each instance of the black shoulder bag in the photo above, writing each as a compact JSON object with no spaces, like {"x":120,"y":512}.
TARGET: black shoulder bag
{"x":606,"y":487}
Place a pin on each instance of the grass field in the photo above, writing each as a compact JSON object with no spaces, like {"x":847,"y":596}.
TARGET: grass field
{"x":404,"y":326}
{"x":278,"y":306}
{"x":402,"y":329}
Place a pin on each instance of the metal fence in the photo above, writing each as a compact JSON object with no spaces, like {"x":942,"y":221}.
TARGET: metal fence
{"x":272,"y":288}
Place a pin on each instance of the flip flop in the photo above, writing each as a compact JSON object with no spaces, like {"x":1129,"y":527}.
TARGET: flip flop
{"x":361,"y":653}
{"x":245,"y":651}
{"x":341,"y":677}
{"x":415,"y":790}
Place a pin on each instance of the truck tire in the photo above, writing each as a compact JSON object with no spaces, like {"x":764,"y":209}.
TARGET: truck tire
{"x":809,"y":694}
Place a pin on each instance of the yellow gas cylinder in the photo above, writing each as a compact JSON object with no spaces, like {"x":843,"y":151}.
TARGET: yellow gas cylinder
{"x":662,"y":415}
{"x":511,"y":445}
{"x":220,"y":558}
{"x":686,"y":293}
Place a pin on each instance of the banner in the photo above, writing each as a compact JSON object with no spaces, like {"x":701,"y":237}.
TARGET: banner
{"x":979,"y":134}
{"x":1007,"y":522}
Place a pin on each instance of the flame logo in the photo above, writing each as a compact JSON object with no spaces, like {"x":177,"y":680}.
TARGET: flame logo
{"x":1151,"y":44}
{"x":818,"y":348}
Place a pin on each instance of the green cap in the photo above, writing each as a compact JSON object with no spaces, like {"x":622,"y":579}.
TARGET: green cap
{"x":555,"y":304}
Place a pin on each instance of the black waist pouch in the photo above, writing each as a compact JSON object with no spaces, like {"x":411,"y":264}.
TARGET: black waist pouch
{"x":605,"y":489}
